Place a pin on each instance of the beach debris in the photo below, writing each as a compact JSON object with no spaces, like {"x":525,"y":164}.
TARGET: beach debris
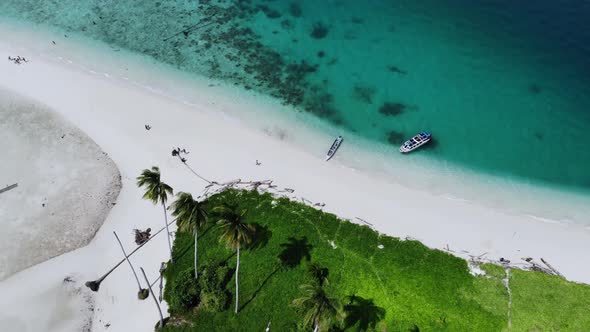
{"x":380,"y":246}
{"x":162,"y":270}
{"x":94,"y":285}
{"x":154,"y":297}
{"x":396,"y":70}
{"x":551,"y":267}
{"x":18,"y":60}
{"x":142,"y":237}
{"x":258,"y":163}
{"x":319,"y":30}
{"x":142,"y":294}
{"x":148,"y":127}
{"x":364,"y":221}
{"x":10,"y":187}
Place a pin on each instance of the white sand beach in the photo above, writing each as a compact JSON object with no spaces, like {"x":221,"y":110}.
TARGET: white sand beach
{"x":57,"y":206}
{"x":112,"y":109}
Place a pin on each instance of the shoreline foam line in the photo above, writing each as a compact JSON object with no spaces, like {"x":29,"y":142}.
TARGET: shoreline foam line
{"x":513,"y":195}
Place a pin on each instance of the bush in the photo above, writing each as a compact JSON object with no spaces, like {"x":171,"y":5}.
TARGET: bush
{"x":214,"y":301}
{"x":214,"y":278}
{"x":184,"y":293}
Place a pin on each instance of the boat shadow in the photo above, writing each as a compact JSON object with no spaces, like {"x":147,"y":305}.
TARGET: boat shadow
{"x":430,"y":146}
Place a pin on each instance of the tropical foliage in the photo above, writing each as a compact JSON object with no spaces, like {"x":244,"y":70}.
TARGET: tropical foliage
{"x":190,"y":216}
{"x":383,"y":283}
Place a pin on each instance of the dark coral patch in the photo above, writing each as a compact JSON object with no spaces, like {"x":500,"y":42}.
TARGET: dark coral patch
{"x":319,"y":31}
{"x":392,"y":109}
{"x":295,"y":10}
{"x":364,"y":93}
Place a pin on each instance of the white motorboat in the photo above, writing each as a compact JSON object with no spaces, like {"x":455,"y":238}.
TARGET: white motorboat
{"x":334,"y":147}
{"x":415,"y":142}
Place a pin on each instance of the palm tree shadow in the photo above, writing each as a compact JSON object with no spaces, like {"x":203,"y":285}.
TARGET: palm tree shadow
{"x":261,"y":237}
{"x":362,"y":314}
{"x":188,"y":248}
{"x":294,"y":251}
{"x":259,"y":288}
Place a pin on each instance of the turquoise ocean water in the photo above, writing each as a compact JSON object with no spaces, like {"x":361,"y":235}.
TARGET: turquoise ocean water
{"x":503,"y":85}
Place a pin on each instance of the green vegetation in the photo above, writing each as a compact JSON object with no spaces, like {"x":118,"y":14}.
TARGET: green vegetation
{"x":371,"y":281}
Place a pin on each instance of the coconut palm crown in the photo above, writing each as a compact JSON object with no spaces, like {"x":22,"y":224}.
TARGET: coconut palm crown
{"x":190,"y":215}
{"x":235,"y":233}
{"x":319,"y":310}
{"x":155,"y":190}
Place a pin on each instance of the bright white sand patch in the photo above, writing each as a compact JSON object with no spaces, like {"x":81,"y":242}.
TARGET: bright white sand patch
{"x":66,"y":185}
{"x":57,"y":306}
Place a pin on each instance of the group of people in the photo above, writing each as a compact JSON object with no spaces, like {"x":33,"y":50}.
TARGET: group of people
{"x":18,"y":60}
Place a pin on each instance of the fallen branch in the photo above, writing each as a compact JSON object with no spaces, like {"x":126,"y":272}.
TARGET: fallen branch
{"x":95,"y":284}
{"x":551,"y":267}
{"x":7,"y":188}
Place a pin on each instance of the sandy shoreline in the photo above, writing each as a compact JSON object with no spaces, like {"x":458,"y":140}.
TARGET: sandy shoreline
{"x":113,"y":113}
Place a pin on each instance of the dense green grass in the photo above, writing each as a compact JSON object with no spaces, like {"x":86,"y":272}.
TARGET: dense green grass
{"x":416,"y":286}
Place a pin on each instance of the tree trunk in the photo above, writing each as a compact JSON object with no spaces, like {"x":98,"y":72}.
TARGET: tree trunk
{"x":154,"y":297}
{"x":237,"y":270}
{"x":167,"y":231}
{"x":196,"y":238}
{"x":128,"y":261}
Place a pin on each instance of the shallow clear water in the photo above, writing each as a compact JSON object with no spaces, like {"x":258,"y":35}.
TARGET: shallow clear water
{"x":503,"y":86}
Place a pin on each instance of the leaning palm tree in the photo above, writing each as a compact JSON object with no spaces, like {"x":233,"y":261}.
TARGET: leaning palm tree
{"x":235,"y":233}
{"x":320,"y":311}
{"x":157,"y":192}
{"x":190,"y":215}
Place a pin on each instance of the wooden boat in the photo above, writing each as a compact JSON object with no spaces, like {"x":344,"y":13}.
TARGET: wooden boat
{"x":415,"y":142}
{"x":334,"y":147}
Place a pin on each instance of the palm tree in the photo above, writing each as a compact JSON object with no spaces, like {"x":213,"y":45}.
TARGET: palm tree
{"x":320,"y":311}
{"x":190,"y":215}
{"x":156,"y":191}
{"x":235,"y":233}
{"x":318,"y":273}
